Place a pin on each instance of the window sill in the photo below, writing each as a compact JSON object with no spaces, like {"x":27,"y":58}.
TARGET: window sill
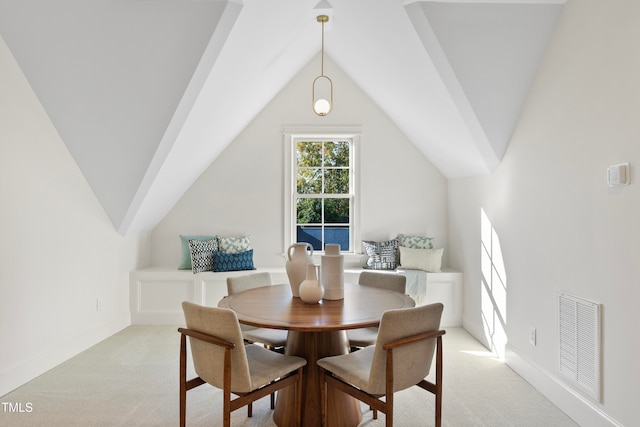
{"x":351,"y":259}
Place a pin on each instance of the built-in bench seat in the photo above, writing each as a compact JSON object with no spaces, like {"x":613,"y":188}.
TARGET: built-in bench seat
{"x":156,"y":293}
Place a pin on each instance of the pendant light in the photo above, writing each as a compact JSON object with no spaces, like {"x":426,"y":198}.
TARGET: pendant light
{"x":322,"y":88}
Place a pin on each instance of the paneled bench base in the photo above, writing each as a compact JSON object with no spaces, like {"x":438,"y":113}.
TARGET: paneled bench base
{"x":156,"y":294}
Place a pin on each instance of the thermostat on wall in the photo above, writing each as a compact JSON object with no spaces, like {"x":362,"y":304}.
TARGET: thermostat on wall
{"x":618,"y":174}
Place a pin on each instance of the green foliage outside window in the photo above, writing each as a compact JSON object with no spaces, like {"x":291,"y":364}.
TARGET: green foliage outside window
{"x":323,"y":169}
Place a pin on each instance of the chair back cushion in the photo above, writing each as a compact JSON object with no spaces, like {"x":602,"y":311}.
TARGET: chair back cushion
{"x":412,"y":362}
{"x":208,"y":359}
{"x":394,"y":282}
{"x":248,"y":281}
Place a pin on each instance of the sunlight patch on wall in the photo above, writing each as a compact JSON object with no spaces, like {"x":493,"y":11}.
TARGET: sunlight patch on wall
{"x":494,"y":287}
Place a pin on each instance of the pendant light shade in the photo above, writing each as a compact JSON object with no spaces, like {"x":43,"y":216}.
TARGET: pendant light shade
{"x":322,"y":88}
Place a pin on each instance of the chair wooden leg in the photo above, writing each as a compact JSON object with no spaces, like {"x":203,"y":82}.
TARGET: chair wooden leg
{"x":438,"y":404}
{"x":250,"y":410}
{"x":388,"y":399}
{"x":183,"y":380}
{"x":226,"y":419}
{"x":226,"y":390}
{"x":388,"y":421}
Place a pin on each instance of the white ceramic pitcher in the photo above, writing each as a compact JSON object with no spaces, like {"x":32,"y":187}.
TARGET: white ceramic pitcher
{"x":298,"y":256}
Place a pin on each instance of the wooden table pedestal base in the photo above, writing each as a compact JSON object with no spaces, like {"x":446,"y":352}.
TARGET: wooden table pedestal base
{"x":343,"y":410}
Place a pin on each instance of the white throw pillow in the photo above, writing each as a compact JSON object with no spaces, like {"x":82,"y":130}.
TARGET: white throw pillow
{"x":421,"y":259}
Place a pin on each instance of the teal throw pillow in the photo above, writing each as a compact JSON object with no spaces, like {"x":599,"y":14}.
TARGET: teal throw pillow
{"x":223,"y":261}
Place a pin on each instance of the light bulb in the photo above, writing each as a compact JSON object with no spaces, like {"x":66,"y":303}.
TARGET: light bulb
{"x":322,"y":107}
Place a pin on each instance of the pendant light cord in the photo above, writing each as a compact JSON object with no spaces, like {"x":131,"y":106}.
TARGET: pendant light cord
{"x":322,"y":59}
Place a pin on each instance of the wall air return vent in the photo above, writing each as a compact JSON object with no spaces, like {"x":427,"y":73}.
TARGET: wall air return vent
{"x":579,"y":343}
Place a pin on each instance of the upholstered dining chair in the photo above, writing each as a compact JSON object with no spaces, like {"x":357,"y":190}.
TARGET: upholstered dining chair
{"x":402,"y":357}
{"x":221,"y":358}
{"x":271,"y":338}
{"x":396,"y":282}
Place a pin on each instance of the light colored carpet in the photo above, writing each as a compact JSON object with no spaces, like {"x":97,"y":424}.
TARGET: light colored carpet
{"x":131,"y":379}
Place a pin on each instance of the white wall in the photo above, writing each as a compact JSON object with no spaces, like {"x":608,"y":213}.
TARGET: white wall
{"x":242,"y":191}
{"x":58,"y":251}
{"x":557,"y":224}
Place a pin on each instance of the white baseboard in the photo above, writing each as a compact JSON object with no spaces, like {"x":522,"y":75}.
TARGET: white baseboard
{"x":49,"y":358}
{"x":583,"y":411}
{"x":580,"y":408}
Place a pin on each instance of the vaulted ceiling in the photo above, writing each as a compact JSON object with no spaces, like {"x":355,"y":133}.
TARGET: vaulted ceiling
{"x":135,"y":87}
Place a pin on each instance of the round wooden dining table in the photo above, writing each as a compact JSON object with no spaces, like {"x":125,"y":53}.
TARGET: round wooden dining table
{"x":315,"y":331}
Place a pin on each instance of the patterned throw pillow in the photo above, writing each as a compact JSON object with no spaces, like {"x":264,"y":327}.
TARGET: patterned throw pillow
{"x":382,"y":255}
{"x":185,"y":250}
{"x":223,"y":261}
{"x":202,"y":254}
{"x":415,"y":242}
{"x":234,"y":245}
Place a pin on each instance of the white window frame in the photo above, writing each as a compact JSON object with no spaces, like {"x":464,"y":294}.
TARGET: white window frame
{"x":291,"y":134}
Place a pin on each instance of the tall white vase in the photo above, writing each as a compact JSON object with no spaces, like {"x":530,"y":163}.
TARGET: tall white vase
{"x":332,"y":268}
{"x":310,"y":289}
{"x":298,"y":256}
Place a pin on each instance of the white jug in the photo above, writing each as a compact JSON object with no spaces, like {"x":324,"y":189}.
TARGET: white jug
{"x":299,"y":255}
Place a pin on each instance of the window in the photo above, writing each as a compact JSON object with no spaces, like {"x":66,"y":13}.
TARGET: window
{"x":323,"y":192}
{"x":322,"y":202}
